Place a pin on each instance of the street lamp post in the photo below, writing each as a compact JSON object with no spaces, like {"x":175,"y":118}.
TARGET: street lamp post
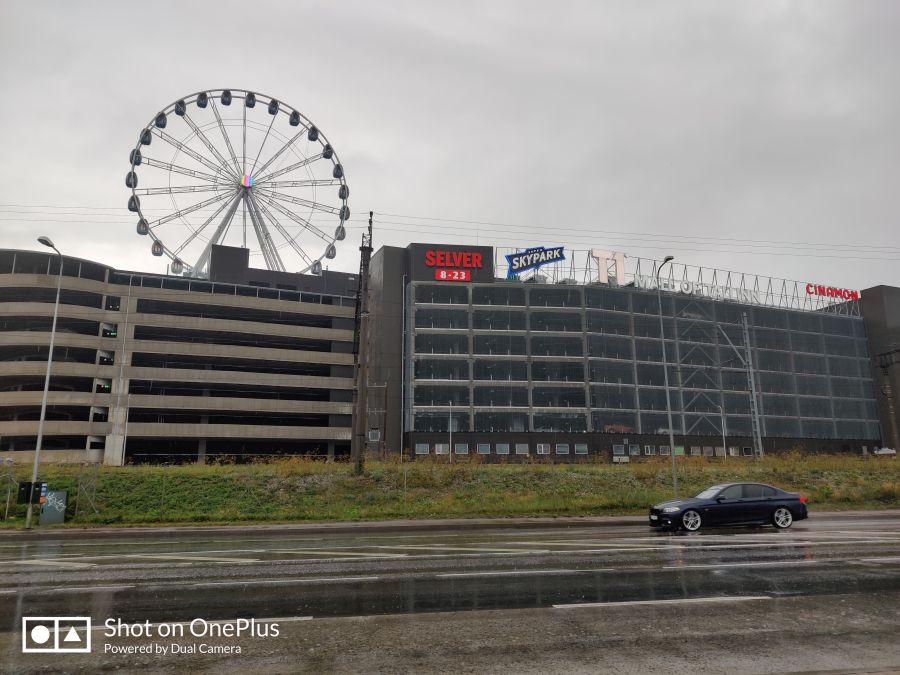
{"x":662,"y":337}
{"x":40,"y":437}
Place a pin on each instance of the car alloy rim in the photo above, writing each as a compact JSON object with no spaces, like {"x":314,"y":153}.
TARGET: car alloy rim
{"x":691,"y":520}
{"x":783,"y":517}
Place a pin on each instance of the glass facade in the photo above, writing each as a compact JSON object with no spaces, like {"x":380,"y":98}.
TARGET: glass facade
{"x":531,"y":357}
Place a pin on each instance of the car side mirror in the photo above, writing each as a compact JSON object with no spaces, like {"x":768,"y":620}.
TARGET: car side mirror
{"x":720,"y":499}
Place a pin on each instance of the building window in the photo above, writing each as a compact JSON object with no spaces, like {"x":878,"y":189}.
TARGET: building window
{"x":461,"y":448}
{"x":521,"y":448}
{"x":484,"y":448}
{"x":734,"y":452}
{"x":649,"y":449}
{"x":707,"y":451}
{"x":664,"y":450}
{"x":581,"y":449}
{"x":421,"y":448}
{"x":502,"y":448}
{"x":748,"y":452}
{"x":618,"y":449}
{"x":562,"y":448}
{"x":543,"y":448}
{"x":720,"y":451}
{"x":634,"y":450}
{"x":695,"y":450}
{"x":442,"y":448}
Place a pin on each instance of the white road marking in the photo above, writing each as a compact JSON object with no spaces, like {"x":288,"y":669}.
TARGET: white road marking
{"x":737,"y":598}
{"x":880,"y":560}
{"x":504,"y":573}
{"x":185,"y":556}
{"x":306,"y":580}
{"x":357,"y":554}
{"x":53,"y":563}
{"x":80,"y":589}
{"x":442,"y":547}
{"x":774,"y":563}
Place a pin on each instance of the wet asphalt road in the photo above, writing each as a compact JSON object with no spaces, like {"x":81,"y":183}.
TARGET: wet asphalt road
{"x":296,"y":573}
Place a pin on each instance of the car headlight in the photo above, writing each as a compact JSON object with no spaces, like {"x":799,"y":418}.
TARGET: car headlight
{"x":671,"y":509}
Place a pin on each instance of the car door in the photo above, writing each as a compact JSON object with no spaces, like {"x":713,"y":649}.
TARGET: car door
{"x":725,"y":507}
{"x":756,"y":502}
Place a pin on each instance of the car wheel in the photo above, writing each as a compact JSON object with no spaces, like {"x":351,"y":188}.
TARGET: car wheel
{"x":782,"y":518}
{"x":691,"y":521}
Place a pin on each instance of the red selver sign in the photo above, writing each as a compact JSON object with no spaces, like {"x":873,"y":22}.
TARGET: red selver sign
{"x":831,"y":292}
{"x":457,"y":259}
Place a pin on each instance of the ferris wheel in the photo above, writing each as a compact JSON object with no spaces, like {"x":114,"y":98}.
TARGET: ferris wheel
{"x":238,"y":168}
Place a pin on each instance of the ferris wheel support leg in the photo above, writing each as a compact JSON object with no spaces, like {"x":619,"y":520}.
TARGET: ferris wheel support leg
{"x":203,"y":260}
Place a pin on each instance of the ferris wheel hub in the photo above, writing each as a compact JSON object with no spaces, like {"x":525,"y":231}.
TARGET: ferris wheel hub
{"x":247,"y":180}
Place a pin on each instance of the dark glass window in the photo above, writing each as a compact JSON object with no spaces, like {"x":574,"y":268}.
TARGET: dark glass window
{"x":607,"y":346}
{"x":614,"y":372}
{"x":556,"y":321}
{"x":500,"y":344}
{"x":500,"y":370}
{"x":572,"y":422}
{"x":442,"y":369}
{"x":429,"y":394}
{"x":607,"y":298}
{"x":427,"y":317}
{"x":442,"y":294}
{"x":554,"y":297}
{"x":557,"y":397}
{"x":613,"y":422}
{"x":545,"y":345}
{"x":498,"y":319}
{"x":438,"y":343}
{"x":501,"y":396}
{"x":613,"y":396}
{"x":498,"y":295}
{"x":501,"y":421}
{"x":568,"y":371}
{"x":605,"y":322}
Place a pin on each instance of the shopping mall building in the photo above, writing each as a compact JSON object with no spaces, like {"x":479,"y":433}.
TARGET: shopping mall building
{"x":560,"y":353}
{"x":552,"y":353}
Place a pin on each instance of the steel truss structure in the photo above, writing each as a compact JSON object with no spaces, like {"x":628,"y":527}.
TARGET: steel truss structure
{"x":595,"y":266}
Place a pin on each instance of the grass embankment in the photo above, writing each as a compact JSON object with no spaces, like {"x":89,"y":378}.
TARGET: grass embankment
{"x":299,"y":490}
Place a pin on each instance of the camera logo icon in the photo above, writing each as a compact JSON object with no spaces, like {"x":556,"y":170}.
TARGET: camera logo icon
{"x":56,"y":634}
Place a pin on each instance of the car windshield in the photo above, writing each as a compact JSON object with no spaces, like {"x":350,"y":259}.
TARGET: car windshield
{"x":709,"y":492}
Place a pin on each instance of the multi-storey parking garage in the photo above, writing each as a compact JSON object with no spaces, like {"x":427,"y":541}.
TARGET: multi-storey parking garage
{"x":525,"y":367}
{"x":162,"y":368}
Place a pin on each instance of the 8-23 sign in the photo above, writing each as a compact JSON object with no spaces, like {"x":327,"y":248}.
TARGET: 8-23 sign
{"x":452,"y":275}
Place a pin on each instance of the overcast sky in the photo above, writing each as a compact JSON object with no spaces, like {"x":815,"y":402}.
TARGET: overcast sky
{"x":647,"y":127}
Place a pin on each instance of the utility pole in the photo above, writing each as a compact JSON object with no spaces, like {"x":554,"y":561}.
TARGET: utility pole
{"x":361,"y":352}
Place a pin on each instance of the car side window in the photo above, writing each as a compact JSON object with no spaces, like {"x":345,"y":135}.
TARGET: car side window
{"x":768,"y":491}
{"x":753,"y":491}
{"x":733,"y":492}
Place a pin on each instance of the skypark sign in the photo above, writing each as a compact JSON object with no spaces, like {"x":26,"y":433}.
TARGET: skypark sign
{"x":533,"y":258}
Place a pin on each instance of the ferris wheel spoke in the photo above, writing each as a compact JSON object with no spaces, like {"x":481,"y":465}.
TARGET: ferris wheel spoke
{"x":284,"y":233}
{"x":225,"y":135}
{"x":187,"y":210}
{"x":281,"y":150}
{"x":174,"y":168}
{"x":287,"y":169}
{"x":200,"y":229}
{"x":193,"y":154}
{"x":265,"y":238}
{"x":300,"y":220}
{"x":302,"y":183}
{"x":180,"y":189}
{"x":263,"y":144}
{"x":301,"y":202}
{"x":219,"y":233}
{"x":209,"y":146}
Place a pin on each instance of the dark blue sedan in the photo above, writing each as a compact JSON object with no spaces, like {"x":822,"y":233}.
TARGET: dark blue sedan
{"x":731,"y":504}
